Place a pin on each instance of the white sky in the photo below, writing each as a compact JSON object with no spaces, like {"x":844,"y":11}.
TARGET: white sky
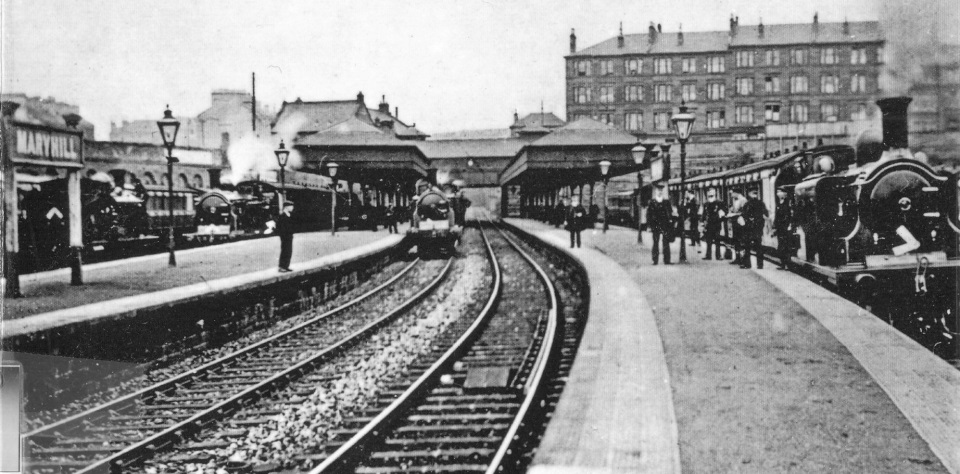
{"x":447,"y":65}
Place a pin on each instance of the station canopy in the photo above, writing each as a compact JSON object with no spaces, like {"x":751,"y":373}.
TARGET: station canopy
{"x":570,"y":155}
{"x":370,"y":146}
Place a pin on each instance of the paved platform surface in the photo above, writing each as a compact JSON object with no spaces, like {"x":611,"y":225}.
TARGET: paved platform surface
{"x":51,"y":291}
{"x":771,"y":373}
{"x":616,"y":412}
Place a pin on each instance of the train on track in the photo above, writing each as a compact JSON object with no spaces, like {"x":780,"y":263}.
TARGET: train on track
{"x":437,"y":219}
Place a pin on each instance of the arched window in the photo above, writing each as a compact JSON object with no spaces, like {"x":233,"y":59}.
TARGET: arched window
{"x":164,"y":179}
{"x":197,"y":181}
{"x":182,"y":181}
{"x":131,"y":178}
{"x":148,"y":178}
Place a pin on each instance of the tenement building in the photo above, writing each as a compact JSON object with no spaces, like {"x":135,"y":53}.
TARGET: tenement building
{"x":787,"y":81}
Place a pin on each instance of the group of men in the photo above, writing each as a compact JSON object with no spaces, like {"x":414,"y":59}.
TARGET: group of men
{"x":747,"y":217}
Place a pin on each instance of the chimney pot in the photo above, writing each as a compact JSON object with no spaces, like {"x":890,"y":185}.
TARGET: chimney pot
{"x":573,"y":41}
{"x":620,"y":37}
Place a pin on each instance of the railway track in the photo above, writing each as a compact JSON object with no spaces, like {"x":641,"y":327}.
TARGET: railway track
{"x":119,"y":434}
{"x":469,"y":404}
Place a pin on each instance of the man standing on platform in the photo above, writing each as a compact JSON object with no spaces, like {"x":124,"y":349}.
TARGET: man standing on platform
{"x":736,"y":224}
{"x":285,"y":232}
{"x":692,"y":209}
{"x":576,"y":222}
{"x":783,"y":229}
{"x":754,"y":215}
{"x":659,"y":218}
{"x":713,"y":215}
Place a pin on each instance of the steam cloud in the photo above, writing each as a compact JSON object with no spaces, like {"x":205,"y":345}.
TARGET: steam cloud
{"x":252,"y":155}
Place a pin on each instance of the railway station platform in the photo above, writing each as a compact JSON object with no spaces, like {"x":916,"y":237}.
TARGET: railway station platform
{"x":129,"y":283}
{"x":765,"y":372}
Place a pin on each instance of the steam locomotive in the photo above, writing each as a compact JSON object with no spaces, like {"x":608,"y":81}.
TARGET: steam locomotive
{"x":437,"y":220}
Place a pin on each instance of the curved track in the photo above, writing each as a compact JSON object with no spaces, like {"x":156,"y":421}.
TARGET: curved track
{"x":123,"y":432}
{"x":468,"y":405}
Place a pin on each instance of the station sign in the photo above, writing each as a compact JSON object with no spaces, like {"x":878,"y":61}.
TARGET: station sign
{"x":195,"y":157}
{"x":43,"y":146}
{"x":656,"y":169}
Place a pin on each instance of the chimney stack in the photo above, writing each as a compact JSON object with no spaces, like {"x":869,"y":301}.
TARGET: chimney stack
{"x":652,"y":33}
{"x":384,"y":106}
{"x":620,"y":37}
{"x":573,"y":41}
{"x":360,"y":98}
{"x":894,"y":118}
{"x":396,"y":113}
{"x":680,"y":35}
{"x":734,"y":23}
{"x":659,"y":28}
{"x":846,"y":27}
{"x":816,"y":22}
{"x":760,"y":29}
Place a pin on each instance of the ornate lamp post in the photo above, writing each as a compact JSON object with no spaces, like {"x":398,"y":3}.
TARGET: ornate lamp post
{"x":283,"y":154}
{"x":604,"y":174}
{"x":642,"y":152}
{"x":683,"y":123}
{"x":332,"y":170}
{"x":169,"y":127}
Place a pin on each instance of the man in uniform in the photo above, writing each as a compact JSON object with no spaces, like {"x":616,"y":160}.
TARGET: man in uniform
{"x":713,"y":215}
{"x":576,"y":221}
{"x":754,"y":215}
{"x":660,"y":220}
{"x":692,"y":210}
{"x":285,"y":232}
{"x":783,"y":229}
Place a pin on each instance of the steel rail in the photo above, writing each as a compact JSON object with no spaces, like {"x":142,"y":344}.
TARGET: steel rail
{"x":354,"y":446}
{"x":137,"y":452}
{"x":538,"y":372}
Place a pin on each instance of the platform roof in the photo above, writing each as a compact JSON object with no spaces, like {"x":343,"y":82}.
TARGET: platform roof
{"x":571,"y":155}
{"x":364,"y":153}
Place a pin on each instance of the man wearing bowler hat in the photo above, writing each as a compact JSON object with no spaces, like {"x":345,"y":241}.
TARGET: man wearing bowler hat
{"x":285,"y":232}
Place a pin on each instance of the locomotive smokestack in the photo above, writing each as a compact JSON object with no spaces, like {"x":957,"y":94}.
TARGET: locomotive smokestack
{"x":894,"y":114}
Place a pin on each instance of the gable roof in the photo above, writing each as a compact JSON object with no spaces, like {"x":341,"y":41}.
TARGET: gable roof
{"x":320,"y":115}
{"x":547,"y":120}
{"x":489,"y":148}
{"x":712,"y":41}
{"x":399,"y":128}
{"x":586,"y":132}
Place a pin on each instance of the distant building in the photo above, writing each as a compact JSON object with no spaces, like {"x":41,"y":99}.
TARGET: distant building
{"x":49,"y":112}
{"x":773,"y":81}
{"x":228,"y":118}
{"x":344,"y":116}
{"x":936,"y":95}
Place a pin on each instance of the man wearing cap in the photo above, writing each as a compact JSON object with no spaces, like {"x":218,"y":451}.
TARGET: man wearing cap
{"x":783,"y":229}
{"x":754,"y":214}
{"x":713,"y":215}
{"x":285,"y":232}
{"x":659,"y":218}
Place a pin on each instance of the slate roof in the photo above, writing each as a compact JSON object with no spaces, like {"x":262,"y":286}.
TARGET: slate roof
{"x":490,"y":148}
{"x":480,"y":134}
{"x":318,"y":116}
{"x":586,"y":132}
{"x":546,"y":119}
{"x":399,"y":128}
{"x":747,"y":35}
{"x":351,"y":135}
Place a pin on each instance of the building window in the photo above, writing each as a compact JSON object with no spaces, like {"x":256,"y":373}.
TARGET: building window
{"x":606,"y":67}
{"x":773,"y":57}
{"x":798,"y":112}
{"x":858,"y":56}
{"x":583,"y":68}
{"x":662,"y":66}
{"x":858,"y":112}
{"x":771,"y":84}
{"x":716,"y":64}
{"x":688,"y":65}
{"x":744,"y":85}
{"x":663,"y":93}
{"x":858,"y":83}
{"x":744,"y":114}
{"x":633,"y":93}
{"x":605,"y":118}
{"x":633,"y":121}
{"x":606,"y":94}
{"x":828,"y":112}
{"x":632,"y":66}
{"x":829,"y":84}
{"x":798,"y":84}
{"x":197,"y":181}
{"x":744,"y":58}
{"x":581,"y":95}
{"x":771,"y":112}
{"x":828,"y":56}
{"x":575,"y":117}
{"x":688,"y":92}
{"x":880,"y":59}
{"x":715,"y":91}
{"x":148,"y":178}
{"x":798,"y":56}
{"x":716,"y":119}
{"x":661,"y":120}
